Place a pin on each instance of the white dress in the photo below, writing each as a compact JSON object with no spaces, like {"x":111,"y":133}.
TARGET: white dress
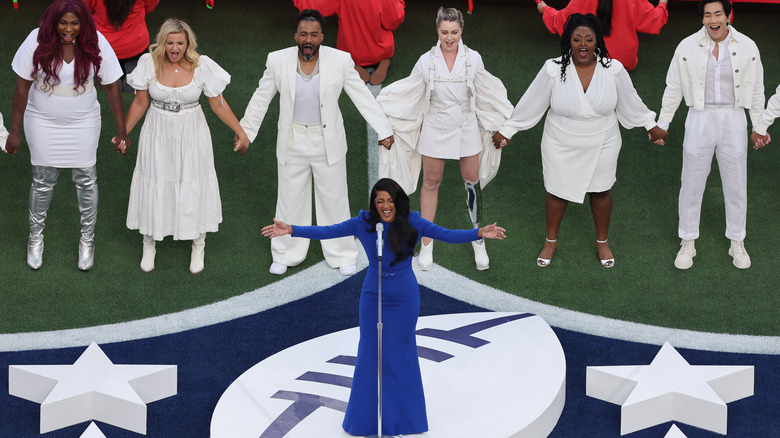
{"x":63,"y":131}
{"x":174,"y":191}
{"x":449,"y":128}
{"x":581,"y":139}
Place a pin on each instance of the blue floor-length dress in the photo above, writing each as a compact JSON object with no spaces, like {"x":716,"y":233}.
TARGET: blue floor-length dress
{"x":403,"y":400}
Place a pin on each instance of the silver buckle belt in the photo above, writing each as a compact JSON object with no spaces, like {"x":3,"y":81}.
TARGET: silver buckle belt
{"x":173,"y":106}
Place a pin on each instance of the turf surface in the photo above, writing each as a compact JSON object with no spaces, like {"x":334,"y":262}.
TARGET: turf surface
{"x":644,"y":286}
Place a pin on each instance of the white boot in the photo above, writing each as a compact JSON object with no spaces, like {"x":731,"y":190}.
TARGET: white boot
{"x":198,"y":253}
{"x":480,"y":255}
{"x":425,"y":257}
{"x":147,"y":260}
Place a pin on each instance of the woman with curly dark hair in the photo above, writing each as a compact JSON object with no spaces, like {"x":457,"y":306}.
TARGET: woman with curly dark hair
{"x":587,"y":94}
{"x":55,"y":96}
{"x":403,"y":399}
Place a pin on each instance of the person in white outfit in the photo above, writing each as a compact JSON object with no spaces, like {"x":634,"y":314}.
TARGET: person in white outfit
{"x":718,"y":72}
{"x":451,"y":82}
{"x":174,"y":191}
{"x":56,"y":98}
{"x":311,"y":140}
{"x":588,"y":95}
{"x":3,"y":134}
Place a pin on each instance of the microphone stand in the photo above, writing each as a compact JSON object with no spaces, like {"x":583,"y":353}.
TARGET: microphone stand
{"x":379,"y":245}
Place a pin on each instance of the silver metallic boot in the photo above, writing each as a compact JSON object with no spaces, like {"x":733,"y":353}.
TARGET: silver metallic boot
{"x":87,"y":193}
{"x":198,"y":254}
{"x":474,"y":205}
{"x":41,"y":192}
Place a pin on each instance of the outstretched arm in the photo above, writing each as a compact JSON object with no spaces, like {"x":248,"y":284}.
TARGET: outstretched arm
{"x":278,"y":228}
{"x":121,"y":141}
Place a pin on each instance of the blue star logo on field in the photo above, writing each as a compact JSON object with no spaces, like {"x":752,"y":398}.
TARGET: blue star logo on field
{"x":670,"y":389}
{"x":93,"y":388}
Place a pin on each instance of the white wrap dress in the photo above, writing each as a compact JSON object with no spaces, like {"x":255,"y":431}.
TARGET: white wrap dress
{"x":174,"y":190}
{"x":62,"y":125}
{"x":581,"y":139}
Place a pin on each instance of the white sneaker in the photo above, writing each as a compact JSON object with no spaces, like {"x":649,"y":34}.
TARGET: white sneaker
{"x":480,"y":255}
{"x":425,"y":257}
{"x":348,"y":270}
{"x":685,"y":255}
{"x":277,"y":268}
{"x":739,"y":253}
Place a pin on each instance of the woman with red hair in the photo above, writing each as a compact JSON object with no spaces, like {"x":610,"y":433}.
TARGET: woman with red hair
{"x":55,"y":96}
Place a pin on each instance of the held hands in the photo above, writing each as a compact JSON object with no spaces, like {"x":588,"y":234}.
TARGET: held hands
{"x":121,"y":144}
{"x":241,"y":142}
{"x":278,"y":228}
{"x":492,"y":231}
{"x":387,"y":143}
{"x":657,"y":135}
{"x":757,"y":139}
{"x":12,"y":142}
{"x":499,"y":141}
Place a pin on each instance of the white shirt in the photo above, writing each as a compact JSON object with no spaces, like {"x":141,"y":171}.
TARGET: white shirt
{"x":306,"y":109}
{"x":719,"y":82}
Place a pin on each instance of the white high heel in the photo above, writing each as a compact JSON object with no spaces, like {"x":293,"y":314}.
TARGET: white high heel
{"x":543,"y":263}
{"x":607,"y":263}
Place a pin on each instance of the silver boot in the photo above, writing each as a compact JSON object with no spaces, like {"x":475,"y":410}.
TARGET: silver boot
{"x":474,"y":205}
{"x":87,"y":193}
{"x":41,"y":192}
{"x":198,"y":253}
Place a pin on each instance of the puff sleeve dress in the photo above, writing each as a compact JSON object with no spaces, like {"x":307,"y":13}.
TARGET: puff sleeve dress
{"x":174,"y":190}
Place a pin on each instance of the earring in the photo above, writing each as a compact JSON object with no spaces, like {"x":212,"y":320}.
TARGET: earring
{"x":598,"y":52}
{"x":571,"y":53}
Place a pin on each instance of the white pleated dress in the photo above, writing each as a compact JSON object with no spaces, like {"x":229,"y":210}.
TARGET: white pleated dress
{"x":581,"y":139}
{"x":174,"y":191}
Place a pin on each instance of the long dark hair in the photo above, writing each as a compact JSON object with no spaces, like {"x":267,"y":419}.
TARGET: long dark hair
{"x":402,"y":236}
{"x":591,"y":22}
{"x":604,"y":12}
{"x":48,"y":55}
{"x":118,"y":11}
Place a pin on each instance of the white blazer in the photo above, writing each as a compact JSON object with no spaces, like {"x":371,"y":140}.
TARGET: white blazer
{"x":337,"y":73}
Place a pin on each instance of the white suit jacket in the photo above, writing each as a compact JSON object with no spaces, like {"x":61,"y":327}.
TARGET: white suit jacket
{"x":337,"y":73}
{"x":687,"y":71}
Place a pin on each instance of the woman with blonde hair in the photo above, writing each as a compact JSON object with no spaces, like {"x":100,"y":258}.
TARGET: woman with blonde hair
{"x":451,"y":99}
{"x":174,"y":191}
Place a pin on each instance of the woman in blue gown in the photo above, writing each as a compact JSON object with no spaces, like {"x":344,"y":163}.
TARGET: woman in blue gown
{"x":403,"y":401}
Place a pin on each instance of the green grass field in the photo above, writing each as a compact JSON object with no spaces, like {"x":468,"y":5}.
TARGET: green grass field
{"x":643,"y":287}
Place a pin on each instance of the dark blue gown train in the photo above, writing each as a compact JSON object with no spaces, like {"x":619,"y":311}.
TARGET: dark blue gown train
{"x":403,"y":400}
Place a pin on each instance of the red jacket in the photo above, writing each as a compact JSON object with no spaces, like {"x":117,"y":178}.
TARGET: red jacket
{"x":132,"y":38}
{"x":365,"y":26}
{"x":628,"y":18}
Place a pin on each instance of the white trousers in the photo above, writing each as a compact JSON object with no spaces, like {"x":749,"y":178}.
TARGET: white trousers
{"x":306,"y":159}
{"x":722,"y":132}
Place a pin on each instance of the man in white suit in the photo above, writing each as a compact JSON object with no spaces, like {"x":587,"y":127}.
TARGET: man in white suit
{"x":311,"y":140}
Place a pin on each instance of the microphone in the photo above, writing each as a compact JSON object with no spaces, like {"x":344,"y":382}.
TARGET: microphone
{"x":379,"y":243}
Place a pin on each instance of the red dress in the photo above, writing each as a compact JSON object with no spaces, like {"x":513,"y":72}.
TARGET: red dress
{"x":365,"y":26}
{"x":628,"y":18}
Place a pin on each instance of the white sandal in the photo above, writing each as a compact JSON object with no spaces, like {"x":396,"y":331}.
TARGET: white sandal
{"x":607,"y":263}
{"x":543,"y":263}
